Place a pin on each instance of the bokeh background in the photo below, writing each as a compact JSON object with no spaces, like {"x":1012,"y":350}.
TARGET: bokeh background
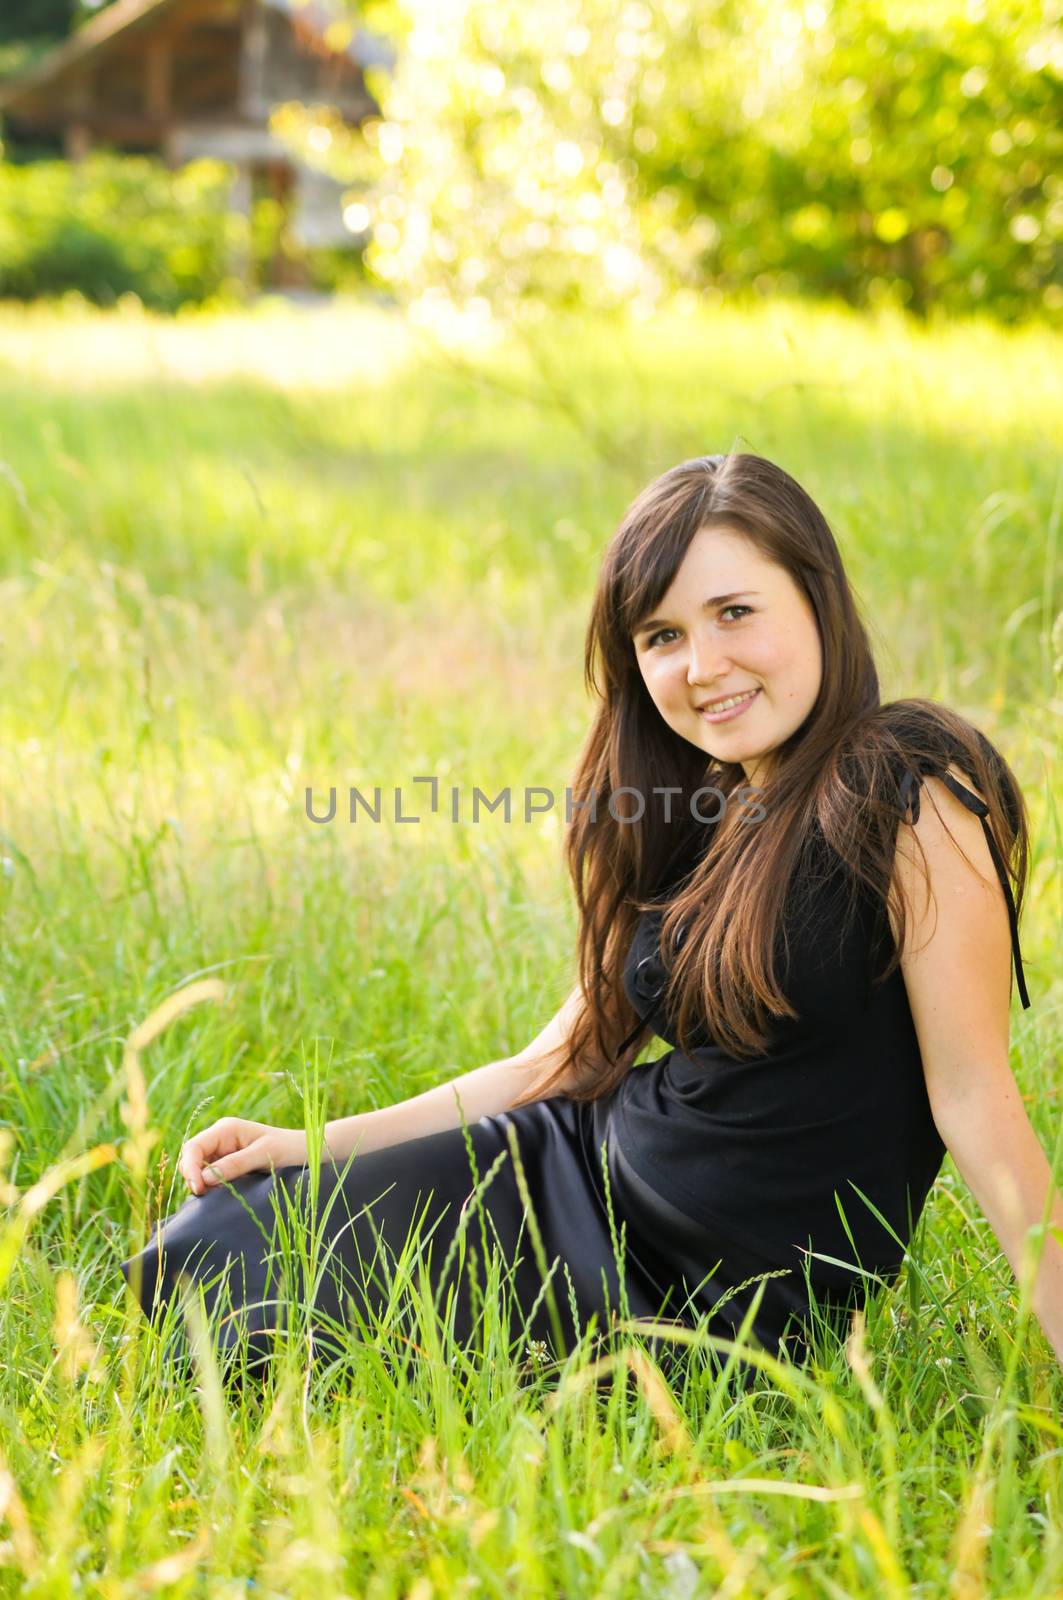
{"x":905,"y":154}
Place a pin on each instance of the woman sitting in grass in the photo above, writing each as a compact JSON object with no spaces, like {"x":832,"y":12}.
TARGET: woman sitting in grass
{"x":803,"y":891}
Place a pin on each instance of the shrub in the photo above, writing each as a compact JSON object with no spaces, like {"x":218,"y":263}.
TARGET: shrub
{"x":116,"y":224}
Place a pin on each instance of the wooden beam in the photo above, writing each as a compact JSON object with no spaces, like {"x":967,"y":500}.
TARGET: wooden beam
{"x":254,"y":44}
{"x":124,"y":21}
{"x":116,"y":128}
{"x":169,"y":148}
{"x":77,"y":141}
{"x":204,"y":17}
{"x":158,"y":79}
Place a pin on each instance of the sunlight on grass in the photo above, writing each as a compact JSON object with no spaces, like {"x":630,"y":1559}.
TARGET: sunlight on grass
{"x":275,"y":344}
{"x":246,"y":555}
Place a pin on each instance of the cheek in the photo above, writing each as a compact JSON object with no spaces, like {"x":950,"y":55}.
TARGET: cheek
{"x":811,"y":665}
{"x":667,"y":696}
{"x":794,"y":661}
{"x":671,"y":686}
{"x":654,"y":686}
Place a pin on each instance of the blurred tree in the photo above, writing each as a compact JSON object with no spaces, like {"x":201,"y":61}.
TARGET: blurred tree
{"x":36,"y":19}
{"x":604,"y":152}
{"x":112,"y":225}
{"x":29,"y":28}
{"x":876,"y":157}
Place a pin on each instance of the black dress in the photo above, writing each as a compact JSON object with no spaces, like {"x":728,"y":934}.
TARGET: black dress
{"x":719,"y":1172}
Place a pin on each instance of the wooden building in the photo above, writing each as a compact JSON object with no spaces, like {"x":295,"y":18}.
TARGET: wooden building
{"x":190,"y":78}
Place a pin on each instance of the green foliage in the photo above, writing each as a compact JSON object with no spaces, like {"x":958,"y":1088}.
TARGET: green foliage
{"x":581,"y":152}
{"x":115,"y":225}
{"x":892,"y":160}
{"x":36,"y":19}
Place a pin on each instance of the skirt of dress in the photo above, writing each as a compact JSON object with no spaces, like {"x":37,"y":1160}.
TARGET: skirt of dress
{"x":670,"y":1269}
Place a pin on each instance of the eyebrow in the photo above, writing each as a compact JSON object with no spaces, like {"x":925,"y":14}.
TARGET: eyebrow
{"x":707,"y":605}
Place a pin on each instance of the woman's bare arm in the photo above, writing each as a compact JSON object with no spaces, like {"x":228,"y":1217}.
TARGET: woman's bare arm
{"x":957,"y":970}
{"x":233,"y":1145}
{"x":481,"y":1093}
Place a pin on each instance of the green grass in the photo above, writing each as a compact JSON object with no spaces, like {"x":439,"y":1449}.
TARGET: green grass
{"x":246,"y":554}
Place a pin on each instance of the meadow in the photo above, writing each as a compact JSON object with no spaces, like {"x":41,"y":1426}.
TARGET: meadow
{"x":243,"y":554}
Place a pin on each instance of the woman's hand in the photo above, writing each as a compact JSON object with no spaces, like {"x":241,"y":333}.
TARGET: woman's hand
{"x":232,"y":1146}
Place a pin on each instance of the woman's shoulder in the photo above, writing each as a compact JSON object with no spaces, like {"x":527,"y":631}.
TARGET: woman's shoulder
{"x":913,"y":731}
{"x":904,"y":742}
{"x":882,"y":769}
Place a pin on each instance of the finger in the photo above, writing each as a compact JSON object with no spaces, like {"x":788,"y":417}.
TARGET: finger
{"x":193,"y":1156}
{"x":189,"y":1166}
{"x":226,"y":1168}
{"x":221,"y":1138}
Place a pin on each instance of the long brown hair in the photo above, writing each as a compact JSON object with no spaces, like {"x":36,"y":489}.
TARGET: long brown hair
{"x":841,"y":770}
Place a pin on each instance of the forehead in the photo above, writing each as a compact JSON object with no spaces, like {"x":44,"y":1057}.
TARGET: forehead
{"x":726,"y":559}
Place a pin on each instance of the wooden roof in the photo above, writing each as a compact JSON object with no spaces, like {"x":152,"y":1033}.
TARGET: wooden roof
{"x":126,"y":18}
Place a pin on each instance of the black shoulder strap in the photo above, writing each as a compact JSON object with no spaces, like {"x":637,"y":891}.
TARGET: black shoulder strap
{"x":910,"y":801}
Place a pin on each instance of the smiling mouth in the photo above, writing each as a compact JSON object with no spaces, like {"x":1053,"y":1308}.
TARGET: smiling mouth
{"x":727,"y":700}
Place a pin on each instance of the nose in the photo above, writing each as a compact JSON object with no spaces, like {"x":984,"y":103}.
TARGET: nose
{"x":708,"y":662}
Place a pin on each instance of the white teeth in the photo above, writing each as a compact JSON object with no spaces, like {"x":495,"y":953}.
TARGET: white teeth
{"x":736,"y":700}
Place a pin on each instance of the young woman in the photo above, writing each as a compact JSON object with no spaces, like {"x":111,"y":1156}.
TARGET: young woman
{"x":803,"y":891}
